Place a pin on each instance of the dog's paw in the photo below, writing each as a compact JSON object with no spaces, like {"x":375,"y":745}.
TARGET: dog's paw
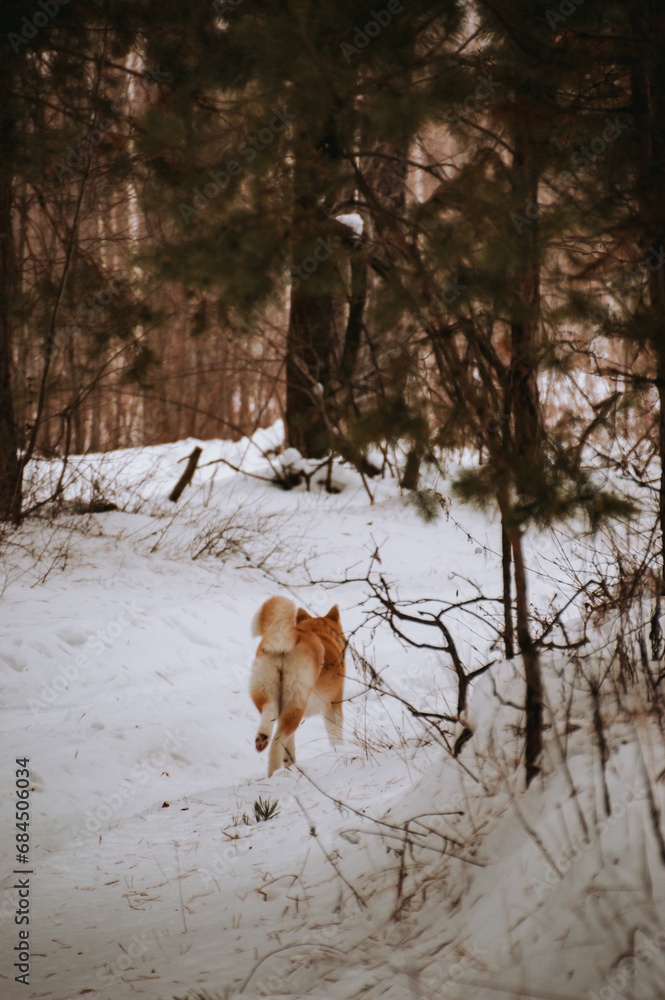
{"x":261,"y":742}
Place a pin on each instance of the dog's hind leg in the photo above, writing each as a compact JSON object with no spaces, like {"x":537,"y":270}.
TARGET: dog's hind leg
{"x":279,"y":754}
{"x":282,"y":748}
{"x":334,"y":720}
{"x":266,"y":723}
{"x":289,"y":750}
{"x":264,"y":689}
{"x":301,"y":668}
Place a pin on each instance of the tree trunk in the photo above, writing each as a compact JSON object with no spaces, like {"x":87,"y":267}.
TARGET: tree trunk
{"x":661,"y":455}
{"x":523,"y":385}
{"x":309,"y":322}
{"x":411,"y":473}
{"x":530,"y":137}
{"x":647,"y":20}
{"x":353,"y":334}
{"x":309,"y":340}
{"x":10,"y":466}
{"x":532,"y":669}
{"x":506,"y":566}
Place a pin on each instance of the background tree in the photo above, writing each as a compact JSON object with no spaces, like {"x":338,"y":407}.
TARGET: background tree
{"x":59,"y":124}
{"x":276,"y":215}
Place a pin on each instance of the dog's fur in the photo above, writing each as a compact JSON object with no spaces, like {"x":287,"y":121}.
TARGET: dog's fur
{"x":298,"y":671}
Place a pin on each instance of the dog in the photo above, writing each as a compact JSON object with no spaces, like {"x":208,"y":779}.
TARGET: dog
{"x":298,"y":671}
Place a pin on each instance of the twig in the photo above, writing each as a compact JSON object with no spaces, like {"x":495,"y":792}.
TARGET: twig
{"x":344,"y":805}
{"x":653,"y":808}
{"x":290,"y":947}
{"x":602,"y":743}
{"x":182,"y":905}
{"x":399,"y":830}
{"x":406,"y":841}
{"x":535,"y":836}
{"x":564,"y":761}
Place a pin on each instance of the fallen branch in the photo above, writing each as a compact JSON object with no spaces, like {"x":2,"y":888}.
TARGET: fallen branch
{"x":187,"y":475}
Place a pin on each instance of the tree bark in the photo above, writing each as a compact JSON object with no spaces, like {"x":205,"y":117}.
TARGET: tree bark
{"x":306,"y":366}
{"x":661,"y":455}
{"x":532,"y":668}
{"x":647,"y":23}
{"x":523,"y":382}
{"x":354,"y":328}
{"x":506,"y":567}
{"x":309,"y":340}
{"x":187,"y":475}
{"x":530,"y":135}
{"x":10,"y":465}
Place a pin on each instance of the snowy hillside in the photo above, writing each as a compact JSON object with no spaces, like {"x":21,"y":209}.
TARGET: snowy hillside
{"x":392,"y":869}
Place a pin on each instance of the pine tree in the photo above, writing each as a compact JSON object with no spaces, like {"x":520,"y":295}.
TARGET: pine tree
{"x":498,"y":333}
{"x":10,"y":479}
{"x":623,"y":158}
{"x":339,"y":75}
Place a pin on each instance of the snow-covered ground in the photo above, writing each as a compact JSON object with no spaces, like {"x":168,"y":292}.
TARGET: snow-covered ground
{"x":391,"y":870}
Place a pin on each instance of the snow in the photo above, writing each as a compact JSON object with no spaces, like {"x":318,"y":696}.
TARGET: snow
{"x":352,"y":221}
{"x":126,"y":653}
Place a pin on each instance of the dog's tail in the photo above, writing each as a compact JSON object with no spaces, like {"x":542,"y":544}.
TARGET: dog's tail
{"x":275,"y":621}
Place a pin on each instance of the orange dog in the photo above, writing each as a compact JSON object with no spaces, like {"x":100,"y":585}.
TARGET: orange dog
{"x":298,"y":671}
